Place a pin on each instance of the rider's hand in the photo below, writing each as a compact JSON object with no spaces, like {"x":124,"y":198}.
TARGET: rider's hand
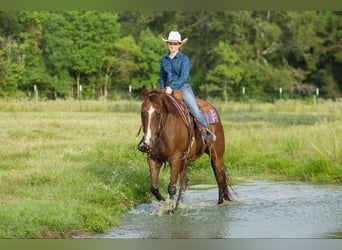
{"x":168,"y":90}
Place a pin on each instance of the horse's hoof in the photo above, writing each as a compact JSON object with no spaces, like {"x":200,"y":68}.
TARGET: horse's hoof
{"x":225,"y":203}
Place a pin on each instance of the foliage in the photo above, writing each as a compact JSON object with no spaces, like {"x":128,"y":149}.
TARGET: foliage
{"x":99,"y":54}
{"x":227,"y":72}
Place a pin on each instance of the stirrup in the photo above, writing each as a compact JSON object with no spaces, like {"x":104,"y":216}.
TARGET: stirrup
{"x":211,"y":138}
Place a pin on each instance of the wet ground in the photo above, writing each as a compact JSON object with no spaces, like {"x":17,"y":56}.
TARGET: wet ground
{"x":264,"y":209}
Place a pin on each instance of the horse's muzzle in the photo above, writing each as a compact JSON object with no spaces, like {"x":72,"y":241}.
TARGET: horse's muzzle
{"x":144,"y":148}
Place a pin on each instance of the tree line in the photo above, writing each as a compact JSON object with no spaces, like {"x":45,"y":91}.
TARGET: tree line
{"x":98,"y":54}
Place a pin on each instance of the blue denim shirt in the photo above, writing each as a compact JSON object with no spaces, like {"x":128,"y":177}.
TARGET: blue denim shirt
{"x":175,"y":70}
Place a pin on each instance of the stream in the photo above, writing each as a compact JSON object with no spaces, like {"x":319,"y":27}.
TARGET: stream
{"x":263,"y":209}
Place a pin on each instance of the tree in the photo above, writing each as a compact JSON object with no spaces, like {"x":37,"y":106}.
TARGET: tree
{"x":92,"y":35}
{"x":228,"y":73}
{"x":152,"y":48}
{"x":127,"y":56}
{"x":10,"y":24}
{"x":57,"y":46}
{"x":328,"y":75}
{"x":35,"y":73}
{"x":11,"y":66}
{"x":76,"y":42}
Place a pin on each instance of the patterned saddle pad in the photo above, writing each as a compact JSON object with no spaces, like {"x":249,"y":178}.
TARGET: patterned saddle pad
{"x":211,"y":116}
{"x":209,"y":112}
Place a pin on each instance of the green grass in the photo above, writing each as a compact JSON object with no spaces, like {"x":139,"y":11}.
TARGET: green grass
{"x":279,"y":151}
{"x":71,"y":168}
{"x":57,"y":172}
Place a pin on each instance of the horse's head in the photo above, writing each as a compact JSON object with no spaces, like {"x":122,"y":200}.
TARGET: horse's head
{"x":152,"y":110}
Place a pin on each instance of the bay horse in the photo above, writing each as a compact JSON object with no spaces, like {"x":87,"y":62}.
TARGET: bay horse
{"x":169,"y":137}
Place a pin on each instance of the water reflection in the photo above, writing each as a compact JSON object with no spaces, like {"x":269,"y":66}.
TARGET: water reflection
{"x":264,"y":209}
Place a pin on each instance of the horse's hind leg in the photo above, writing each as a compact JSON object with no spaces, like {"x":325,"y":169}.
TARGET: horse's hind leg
{"x":221,"y":177}
{"x":154,"y":168}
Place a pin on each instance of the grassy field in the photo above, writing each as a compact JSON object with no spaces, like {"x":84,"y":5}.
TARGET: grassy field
{"x":71,"y":168}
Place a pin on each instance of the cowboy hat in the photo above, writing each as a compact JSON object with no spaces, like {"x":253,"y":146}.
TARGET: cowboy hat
{"x":174,"y":36}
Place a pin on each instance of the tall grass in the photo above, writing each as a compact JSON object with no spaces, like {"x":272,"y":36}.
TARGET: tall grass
{"x":70,"y":168}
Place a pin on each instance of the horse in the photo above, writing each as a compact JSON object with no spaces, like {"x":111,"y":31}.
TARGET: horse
{"x":170,"y":136}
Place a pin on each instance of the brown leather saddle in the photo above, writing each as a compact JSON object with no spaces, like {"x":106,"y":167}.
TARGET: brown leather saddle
{"x":208,"y":111}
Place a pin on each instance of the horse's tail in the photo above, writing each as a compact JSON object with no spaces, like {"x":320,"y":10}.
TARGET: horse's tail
{"x":229,"y":187}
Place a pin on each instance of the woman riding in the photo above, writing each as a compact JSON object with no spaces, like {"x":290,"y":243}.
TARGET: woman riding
{"x":174,"y":74}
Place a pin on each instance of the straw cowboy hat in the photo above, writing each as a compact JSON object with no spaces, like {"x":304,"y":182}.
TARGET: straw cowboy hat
{"x":174,"y":36}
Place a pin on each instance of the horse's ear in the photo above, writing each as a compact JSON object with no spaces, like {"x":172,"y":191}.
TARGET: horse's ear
{"x":144,"y":91}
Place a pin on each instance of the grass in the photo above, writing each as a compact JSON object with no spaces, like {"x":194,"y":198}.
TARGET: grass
{"x":71,"y":168}
{"x":56,"y":172}
{"x":296,"y":152}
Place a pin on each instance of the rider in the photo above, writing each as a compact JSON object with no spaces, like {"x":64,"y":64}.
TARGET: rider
{"x":174,"y":74}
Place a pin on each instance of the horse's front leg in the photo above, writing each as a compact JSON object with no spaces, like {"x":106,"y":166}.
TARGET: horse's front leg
{"x":175,"y":165}
{"x":154,"y":167}
{"x":183,"y":181}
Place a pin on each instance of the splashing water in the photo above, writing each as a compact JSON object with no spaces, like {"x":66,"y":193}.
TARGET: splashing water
{"x":264,"y":209}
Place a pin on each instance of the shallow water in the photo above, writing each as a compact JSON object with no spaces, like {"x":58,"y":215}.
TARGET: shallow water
{"x":264,"y":209}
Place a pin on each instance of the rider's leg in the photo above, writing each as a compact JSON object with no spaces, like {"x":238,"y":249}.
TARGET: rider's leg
{"x":190,"y":101}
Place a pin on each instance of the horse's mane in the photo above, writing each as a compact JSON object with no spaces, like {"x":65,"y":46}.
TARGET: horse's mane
{"x":156,"y":96}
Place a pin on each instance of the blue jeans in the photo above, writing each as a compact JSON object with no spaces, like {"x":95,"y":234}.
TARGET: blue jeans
{"x":190,"y":101}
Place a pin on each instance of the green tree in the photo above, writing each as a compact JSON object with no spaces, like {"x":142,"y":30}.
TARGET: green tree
{"x":11,"y":66}
{"x":92,"y":34}
{"x":227,"y":74}
{"x":10,"y":24}
{"x":35,"y":73}
{"x":152,"y":48}
{"x":76,"y":43}
{"x":126,"y":62}
{"x":328,"y":75}
{"x":57,"y":47}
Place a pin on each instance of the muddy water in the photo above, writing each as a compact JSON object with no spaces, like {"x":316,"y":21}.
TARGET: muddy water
{"x":264,"y":209}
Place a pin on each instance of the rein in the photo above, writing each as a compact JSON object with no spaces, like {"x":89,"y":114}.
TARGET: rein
{"x":185,"y":116}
